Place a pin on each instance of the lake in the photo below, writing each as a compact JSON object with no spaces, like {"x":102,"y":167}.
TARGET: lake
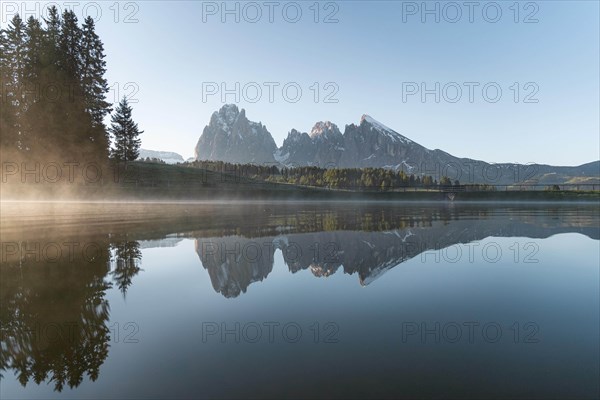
{"x":320,"y":300}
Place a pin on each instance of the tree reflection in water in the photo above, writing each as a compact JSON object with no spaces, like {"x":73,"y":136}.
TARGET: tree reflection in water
{"x":54,"y":313}
{"x":126,"y":264}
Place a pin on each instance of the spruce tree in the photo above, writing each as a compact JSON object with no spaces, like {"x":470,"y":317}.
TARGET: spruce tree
{"x":33,"y":50}
{"x":45,"y":120}
{"x":7,"y":111}
{"x":70,"y":40}
{"x":31,"y":87}
{"x":126,"y":133}
{"x":15,"y":50}
{"x":14,"y":56}
{"x":53,"y":29}
{"x":53,"y":90}
{"x":86,"y":142}
{"x":93,"y":69}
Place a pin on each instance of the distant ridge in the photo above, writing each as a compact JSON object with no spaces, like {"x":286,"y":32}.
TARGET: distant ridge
{"x":231,"y":137}
{"x":168,"y":157}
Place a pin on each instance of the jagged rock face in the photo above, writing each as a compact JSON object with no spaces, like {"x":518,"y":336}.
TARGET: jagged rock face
{"x":297,"y":150}
{"x":231,"y":137}
{"x":322,"y":148}
{"x":372,"y":144}
{"x":369,"y":144}
{"x":329,"y":144}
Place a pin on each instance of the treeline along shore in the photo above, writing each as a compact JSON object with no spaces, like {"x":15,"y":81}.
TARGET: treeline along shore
{"x":141,"y":181}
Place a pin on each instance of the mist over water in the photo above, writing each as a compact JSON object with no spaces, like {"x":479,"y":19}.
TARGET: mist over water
{"x":286,"y":299}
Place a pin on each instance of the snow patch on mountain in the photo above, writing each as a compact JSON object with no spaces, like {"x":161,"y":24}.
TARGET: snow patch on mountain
{"x":389,"y":132}
{"x":281,"y":158}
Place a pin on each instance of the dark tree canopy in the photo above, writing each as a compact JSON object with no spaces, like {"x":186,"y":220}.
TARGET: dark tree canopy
{"x":53,"y":90}
{"x":76,"y":308}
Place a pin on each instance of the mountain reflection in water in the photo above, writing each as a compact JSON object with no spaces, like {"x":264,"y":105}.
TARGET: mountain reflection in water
{"x":59,"y":261}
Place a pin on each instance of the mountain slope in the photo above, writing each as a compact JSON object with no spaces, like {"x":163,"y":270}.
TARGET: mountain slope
{"x":232,"y":138}
{"x":323,"y":147}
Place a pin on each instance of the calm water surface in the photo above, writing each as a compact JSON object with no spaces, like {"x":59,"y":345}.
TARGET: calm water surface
{"x":299,"y":300}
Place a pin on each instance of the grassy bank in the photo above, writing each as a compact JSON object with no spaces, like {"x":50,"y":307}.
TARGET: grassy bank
{"x":149,"y":181}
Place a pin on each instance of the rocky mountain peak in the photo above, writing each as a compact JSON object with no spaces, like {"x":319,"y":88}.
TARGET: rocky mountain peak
{"x":231,"y":137}
{"x":295,"y":136}
{"x":227,"y":117}
{"x":374,"y":125}
{"x":323,"y":128}
{"x":367,"y":119}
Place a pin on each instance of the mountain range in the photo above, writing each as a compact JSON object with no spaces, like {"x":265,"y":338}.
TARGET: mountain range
{"x":231,"y":137}
{"x":168,"y":157}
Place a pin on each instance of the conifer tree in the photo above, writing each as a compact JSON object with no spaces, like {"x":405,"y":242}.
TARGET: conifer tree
{"x":93,"y":69}
{"x":7,"y":112}
{"x":125,"y":133}
{"x":70,"y":44}
{"x":30,"y":91}
{"x":14,"y":63}
{"x":53,"y":29}
{"x":53,"y":89}
{"x":44,"y":121}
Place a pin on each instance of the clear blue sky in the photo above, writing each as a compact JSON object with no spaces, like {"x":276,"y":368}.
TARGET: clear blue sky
{"x":368,"y":54}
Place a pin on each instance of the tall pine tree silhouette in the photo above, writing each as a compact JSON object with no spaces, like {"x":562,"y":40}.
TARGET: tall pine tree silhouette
{"x":53,"y":90}
{"x":13,"y":68}
{"x":126,"y":133}
{"x":8,"y":138}
{"x":93,"y":69}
